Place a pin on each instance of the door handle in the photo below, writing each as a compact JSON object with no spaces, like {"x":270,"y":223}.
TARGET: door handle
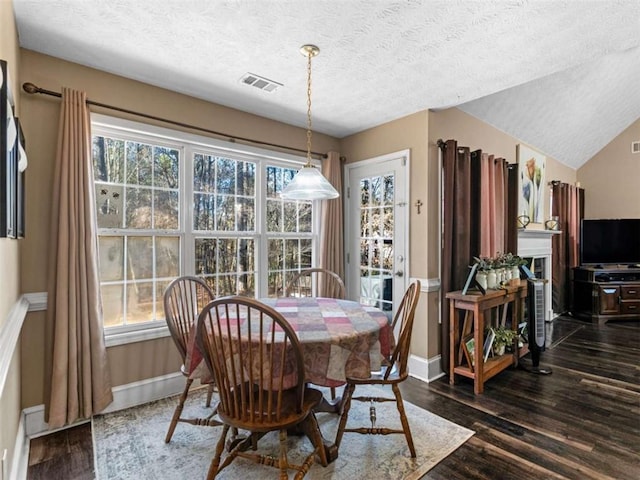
{"x":399,"y":273}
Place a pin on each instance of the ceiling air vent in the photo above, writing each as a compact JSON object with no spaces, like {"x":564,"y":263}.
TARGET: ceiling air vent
{"x":635,"y":147}
{"x":260,"y":82}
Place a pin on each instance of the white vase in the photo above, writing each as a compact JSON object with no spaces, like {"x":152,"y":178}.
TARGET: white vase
{"x":492,"y":279}
{"x":481,"y":278}
{"x":515,"y":272}
{"x":499,"y":349}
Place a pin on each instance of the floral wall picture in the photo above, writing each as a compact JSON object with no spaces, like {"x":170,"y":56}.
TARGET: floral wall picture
{"x":531,"y":166}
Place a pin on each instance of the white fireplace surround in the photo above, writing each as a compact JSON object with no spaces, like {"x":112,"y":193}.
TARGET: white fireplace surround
{"x":537,"y":244}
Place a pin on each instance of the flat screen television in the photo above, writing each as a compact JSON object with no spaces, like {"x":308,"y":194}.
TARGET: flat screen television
{"x":610,"y":242}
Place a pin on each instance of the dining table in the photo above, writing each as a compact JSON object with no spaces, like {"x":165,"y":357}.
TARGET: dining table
{"x":340,"y":339}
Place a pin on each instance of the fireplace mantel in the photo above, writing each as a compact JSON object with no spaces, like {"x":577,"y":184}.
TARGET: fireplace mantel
{"x":537,"y":244}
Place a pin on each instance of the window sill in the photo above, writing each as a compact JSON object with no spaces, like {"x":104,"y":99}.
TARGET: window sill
{"x":124,"y":338}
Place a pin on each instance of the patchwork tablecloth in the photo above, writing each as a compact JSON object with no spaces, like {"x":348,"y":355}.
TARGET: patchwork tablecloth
{"x":340,"y":339}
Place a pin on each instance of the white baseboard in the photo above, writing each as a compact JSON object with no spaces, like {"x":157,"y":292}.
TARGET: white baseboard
{"x":20,"y":462}
{"x":124,"y":396}
{"x":425,"y":369}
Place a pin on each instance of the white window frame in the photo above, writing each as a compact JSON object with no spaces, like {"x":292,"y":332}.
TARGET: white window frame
{"x":188,"y":144}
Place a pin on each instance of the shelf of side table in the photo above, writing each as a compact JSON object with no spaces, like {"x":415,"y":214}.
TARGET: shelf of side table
{"x":475,"y":305}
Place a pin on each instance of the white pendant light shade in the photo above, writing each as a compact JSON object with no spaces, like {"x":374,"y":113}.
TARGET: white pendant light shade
{"x":309,"y":184}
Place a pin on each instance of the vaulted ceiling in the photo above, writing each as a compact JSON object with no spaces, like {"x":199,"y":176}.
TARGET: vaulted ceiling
{"x":563,"y":76}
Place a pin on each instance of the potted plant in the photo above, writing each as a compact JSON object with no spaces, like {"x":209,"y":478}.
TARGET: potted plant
{"x":503,"y":337}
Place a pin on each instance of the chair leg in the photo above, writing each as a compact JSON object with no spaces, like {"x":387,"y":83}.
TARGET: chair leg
{"x":178,"y":411}
{"x":283,"y":462}
{"x":215,"y":462}
{"x":346,"y":405}
{"x":403,"y":419}
{"x":313,"y":432}
{"x":209,"y":395}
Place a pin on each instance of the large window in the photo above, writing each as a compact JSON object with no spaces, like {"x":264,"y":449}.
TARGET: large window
{"x":170,"y":204}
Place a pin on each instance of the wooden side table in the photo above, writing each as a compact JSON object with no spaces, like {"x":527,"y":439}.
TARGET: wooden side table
{"x":475,"y":305}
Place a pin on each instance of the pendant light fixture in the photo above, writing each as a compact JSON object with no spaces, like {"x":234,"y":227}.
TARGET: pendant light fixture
{"x":309,"y":183}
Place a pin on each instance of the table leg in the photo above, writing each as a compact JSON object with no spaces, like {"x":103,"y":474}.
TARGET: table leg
{"x":453,"y":336}
{"x":478,"y":331}
{"x":329,"y":406}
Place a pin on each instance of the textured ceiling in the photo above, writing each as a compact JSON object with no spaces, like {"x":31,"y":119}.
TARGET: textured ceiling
{"x":561,"y":75}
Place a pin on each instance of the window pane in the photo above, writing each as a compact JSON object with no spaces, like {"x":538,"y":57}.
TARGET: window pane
{"x":291,"y":254}
{"x":290,"y":218}
{"x":204,"y":171}
{"x":139,"y":258}
{"x":165,"y":167}
{"x":205,"y":260}
{"x":140,"y":302}
{"x":387,"y":224}
{"x":109,"y":205}
{"x":165,"y":210}
{"x":167,"y":257}
{"x":112,"y":302}
{"x":138,"y":208}
{"x":246,"y":215}
{"x":388,"y":190}
{"x":159,"y":303}
{"x":304,"y":216}
{"x":203,"y":208}
{"x":227,"y":255}
{"x":111,"y":252}
{"x":274,"y":215}
{"x":138,"y":163}
{"x":225,"y":213}
{"x":376,"y":191}
{"x":365,"y":188}
{"x":108,"y":159}
{"x":274,"y":181}
{"x":227,"y":285}
{"x":226,"y":176}
{"x":305,"y":253}
{"x":246,"y":179}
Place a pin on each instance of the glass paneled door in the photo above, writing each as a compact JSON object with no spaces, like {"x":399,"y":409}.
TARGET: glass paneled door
{"x":377,"y":224}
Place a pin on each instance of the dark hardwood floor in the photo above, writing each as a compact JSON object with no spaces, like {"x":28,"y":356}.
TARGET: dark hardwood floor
{"x":581,"y":422}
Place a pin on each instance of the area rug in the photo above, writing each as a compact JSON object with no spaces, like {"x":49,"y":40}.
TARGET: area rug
{"x":129,"y":445}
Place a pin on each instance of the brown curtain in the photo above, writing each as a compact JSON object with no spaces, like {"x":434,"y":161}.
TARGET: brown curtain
{"x":461,"y":218}
{"x":77,"y":383}
{"x":568,"y":206}
{"x":494,"y":202}
{"x":331,"y":226}
{"x":512,"y":208}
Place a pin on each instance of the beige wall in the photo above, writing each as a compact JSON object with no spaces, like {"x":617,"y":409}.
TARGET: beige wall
{"x":407,"y":133}
{"x":9,"y":253}
{"x":138,"y":361}
{"x":611,"y":179}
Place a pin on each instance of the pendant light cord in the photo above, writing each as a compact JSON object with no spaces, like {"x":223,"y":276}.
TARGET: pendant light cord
{"x":309,"y":55}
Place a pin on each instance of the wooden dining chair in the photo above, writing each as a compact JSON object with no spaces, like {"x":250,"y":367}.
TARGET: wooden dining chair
{"x":316,"y":282}
{"x":256,"y":360}
{"x":393,"y":372}
{"x":184,"y":298}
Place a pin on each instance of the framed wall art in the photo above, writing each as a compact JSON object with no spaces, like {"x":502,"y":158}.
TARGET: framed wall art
{"x":11,"y":171}
{"x":532,"y":188}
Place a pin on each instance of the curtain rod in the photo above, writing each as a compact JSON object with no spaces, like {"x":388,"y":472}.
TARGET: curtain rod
{"x":31,"y":88}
